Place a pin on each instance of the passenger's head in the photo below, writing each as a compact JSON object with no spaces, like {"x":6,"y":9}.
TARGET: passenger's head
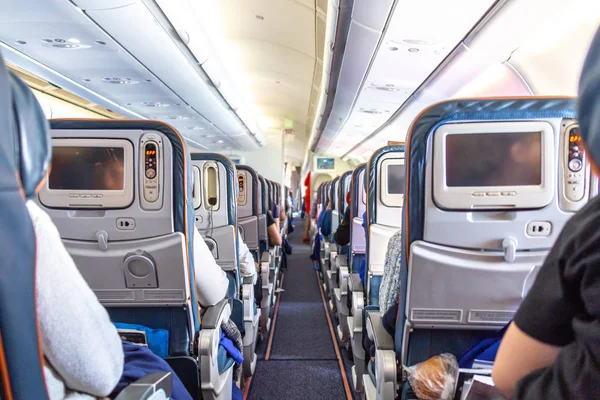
{"x":348,"y":198}
{"x":111,"y":170}
{"x":589,"y":103}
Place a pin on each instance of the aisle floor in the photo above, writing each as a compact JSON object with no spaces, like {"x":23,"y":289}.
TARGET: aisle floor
{"x":301,"y":362}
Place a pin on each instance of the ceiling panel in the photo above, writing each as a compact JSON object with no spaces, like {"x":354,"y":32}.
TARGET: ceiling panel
{"x":418,"y":38}
{"x":70,"y":46}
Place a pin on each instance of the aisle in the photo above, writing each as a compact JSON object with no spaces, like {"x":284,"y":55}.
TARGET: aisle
{"x":300,"y":362}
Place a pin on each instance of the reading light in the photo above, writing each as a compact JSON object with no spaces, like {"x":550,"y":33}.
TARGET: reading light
{"x":413,"y":50}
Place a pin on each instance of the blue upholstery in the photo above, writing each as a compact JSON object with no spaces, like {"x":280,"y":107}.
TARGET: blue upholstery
{"x":356,"y":260}
{"x":263,"y":194}
{"x":589,"y":101}
{"x":173,"y":319}
{"x":182,"y":184}
{"x":25,"y":155}
{"x":416,"y":158}
{"x":374,"y":283}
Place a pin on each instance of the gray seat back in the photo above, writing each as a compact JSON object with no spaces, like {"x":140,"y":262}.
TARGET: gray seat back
{"x":466,"y":270}
{"x":383,"y":211}
{"x":137,"y":257}
{"x":215,"y":177}
{"x":248,"y":203}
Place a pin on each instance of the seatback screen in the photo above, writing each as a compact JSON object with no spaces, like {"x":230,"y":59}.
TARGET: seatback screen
{"x":87,"y":168}
{"x":494,"y":159}
{"x":396,"y":180}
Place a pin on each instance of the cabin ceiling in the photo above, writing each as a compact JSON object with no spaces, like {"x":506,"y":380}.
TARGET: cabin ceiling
{"x":125,"y":56}
{"x":273,"y":50}
{"x":435,"y":50}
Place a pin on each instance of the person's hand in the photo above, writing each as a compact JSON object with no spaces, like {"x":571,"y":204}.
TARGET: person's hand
{"x":257,"y":266}
{"x":329,"y":206}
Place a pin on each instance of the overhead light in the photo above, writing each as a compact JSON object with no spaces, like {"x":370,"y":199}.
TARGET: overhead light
{"x":220,"y":141}
{"x":20,"y":42}
{"x":155,"y":104}
{"x":194,"y":128}
{"x":413,"y":50}
{"x":260,"y":17}
{"x":120,"y":81}
{"x":390,"y":87}
{"x":418,"y":42}
{"x":67,"y":44}
{"x":369,"y":111}
{"x":345,"y":159}
{"x":393,"y":48}
{"x":100,"y":42}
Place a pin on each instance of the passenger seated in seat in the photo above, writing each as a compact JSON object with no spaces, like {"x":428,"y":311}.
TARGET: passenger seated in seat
{"x":248,"y":266}
{"x":389,"y":289}
{"x":273,"y":231}
{"x":342,"y":234}
{"x":83,"y":350}
{"x":211,"y":281}
{"x":552,"y":348}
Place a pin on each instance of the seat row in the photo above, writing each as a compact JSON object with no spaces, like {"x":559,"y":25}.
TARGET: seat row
{"x":454,"y":234}
{"x":128,"y":223}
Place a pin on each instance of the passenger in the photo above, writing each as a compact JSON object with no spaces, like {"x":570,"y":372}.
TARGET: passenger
{"x":307,"y":199}
{"x":211,"y":281}
{"x":248,"y":266}
{"x":273,"y":231}
{"x":342,"y":233}
{"x":552,"y":348}
{"x":389,"y":289}
{"x":81,"y":345}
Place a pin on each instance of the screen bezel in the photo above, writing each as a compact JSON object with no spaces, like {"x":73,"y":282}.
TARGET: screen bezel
{"x":57,"y":198}
{"x":390,"y":199}
{"x":494,"y":197}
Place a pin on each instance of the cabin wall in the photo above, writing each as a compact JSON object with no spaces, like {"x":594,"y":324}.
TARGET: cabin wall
{"x":268,"y":160}
{"x":56,"y":108}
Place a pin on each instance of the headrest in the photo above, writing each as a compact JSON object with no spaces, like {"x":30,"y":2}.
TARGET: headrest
{"x":30,"y":137}
{"x":589,"y":101}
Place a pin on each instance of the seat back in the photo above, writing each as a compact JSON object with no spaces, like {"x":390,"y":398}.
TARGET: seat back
{"x":335,"y":206}
{"x":468,"y":260}
{"x":345,"y":182}
{"x":215,"y":209}
{"x":248,"y":202}
{"x":25,"y":154}
{"x":263,"y":207}
{"x":133,"y":244}
{"x":357,"y":209}
{"x":384,"y":174}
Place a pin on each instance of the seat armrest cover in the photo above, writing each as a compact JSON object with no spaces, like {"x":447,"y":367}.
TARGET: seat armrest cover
{"x":248,"y":280}
{"x":214,"y":315}
{"x":149,"y":386}
{"x":355,"y":283}
{"x":342,"y":261}
{"x":266,"y":257}
{"x":376,"y":331}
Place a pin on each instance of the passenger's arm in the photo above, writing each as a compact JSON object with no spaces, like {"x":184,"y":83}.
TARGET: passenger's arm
{"x":79,"y":340}
{"x":273,"y":231}
{"x":518,"y":356}
{"x":247,"y":264}
{"x":543,"y":325}
{"x":211,"y":280}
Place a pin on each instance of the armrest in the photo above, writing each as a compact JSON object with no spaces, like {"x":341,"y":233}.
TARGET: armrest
{"x":266,"y":257}
{"x":376,"y":331}
{"x":148,"y":386}
{"x":342,"y":261}
{"x":248,"y":280}
{"x":215,"y":315}
{"x":355,"y":283}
